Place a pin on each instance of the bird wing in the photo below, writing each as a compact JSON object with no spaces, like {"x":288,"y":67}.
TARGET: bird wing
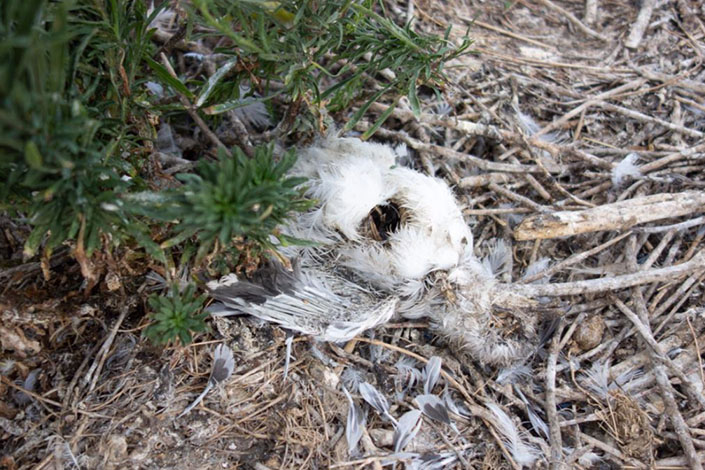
{"x":308,"y":301}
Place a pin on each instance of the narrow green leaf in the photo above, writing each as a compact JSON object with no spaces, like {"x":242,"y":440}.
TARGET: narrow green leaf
{"x":32,"y":155}
{"x":165,"y":76}
{"x":178,"y":238}
{"x":369,"y":132}
{"x":33,"y":241}
{"x":363,"y":109}
{"x":213,"y":81}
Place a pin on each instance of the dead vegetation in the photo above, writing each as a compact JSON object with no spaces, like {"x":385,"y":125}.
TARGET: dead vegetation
{"x":575,"y":133}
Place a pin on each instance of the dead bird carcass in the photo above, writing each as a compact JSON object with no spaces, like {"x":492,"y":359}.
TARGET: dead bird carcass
{"x":389,"y":241}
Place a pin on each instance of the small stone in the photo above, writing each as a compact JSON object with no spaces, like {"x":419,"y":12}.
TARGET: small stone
{"x":589,"y":333}
{"x":112,"y":281}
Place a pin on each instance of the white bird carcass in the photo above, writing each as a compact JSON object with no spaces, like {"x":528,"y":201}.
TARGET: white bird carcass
{"x":389,"y":241}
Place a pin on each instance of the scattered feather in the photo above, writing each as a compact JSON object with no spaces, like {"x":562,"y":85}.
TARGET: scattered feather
{"x":407,"y":427}
{"x":531,"y":127}
{"x":538,"y":266}
{"x":29,"y":383}
{"x":433,"y":407}
{"x":222,"y":368}
{"x":498,"y":260}
{"x":165,"y":141}
{"x":627,"y":376}
{"x":375,"y":399}
{"x":287,"y":358}
{"x":252,"y":110}
{"x":323,"y":357}
{"x":7,"y":366}
{"x":68,"y":455}
{"x":155,"y":88}
{"x":626,"y":169}
{"x":355,"y":424}
{"x":407,"y":377}
{"x":352,"y":378}
{"x":590,"y":459}
{"x":513,"y":374}
{"x":596,"y":379}
{"x":523,"y":453}
{"x":443,"y":108}
{"x":164,"y":20}
{"x":223,"y":364}
{"x":195,"y":55}
{"x":434,"y":461}
{"x":431,"y":372}
{"x":538,"y":424}
{"x":452,"y":406}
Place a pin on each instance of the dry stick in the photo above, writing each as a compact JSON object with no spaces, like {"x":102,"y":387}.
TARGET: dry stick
{"x":634,"y":84}
{"x":533,"y":182}
{"x":49,"y":401}
{"x":698,"y":352}
{"x":675,"y":227}
{"x":696,"y":152}
{"x":671,"y":463}
{"x":573,"y":259}
{"x":518,"y":198}
{"x":604,"y":71}
{"x":94,"y":371}
{"x":76,"y":376}
{"x":611,"y":450}
{"x":190,"y":109}
{"x":645,"y":118}
{"x":616,"y":216}
{"x":678,"y":81}
{"x":693,"y":246}
{"x":678,"y":294}
{"x":575,"y":21}
{"x":241,"y":134}
{"x":477,"y":181}
{"x":592,"y":286}
{"x":656,"y":354}
{"x":506,"y":33}
{"x":452,"y":154}
{"x":590,"y":11}
{"x":500,"y":210}
{"x":640,"y":25}
{"x":370,"y":448}
{"x":554,"y":428}
{"x":492,"y":132}
{"x":664,"y":384}
{"x":656,"y":252}
{"x":557,"y":150}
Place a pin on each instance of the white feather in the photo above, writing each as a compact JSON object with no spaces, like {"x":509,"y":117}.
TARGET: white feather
{"x":589,"y":459}
{"x":626,"y":169}
{"x":536,"y":267}
{"x":523,"y":453}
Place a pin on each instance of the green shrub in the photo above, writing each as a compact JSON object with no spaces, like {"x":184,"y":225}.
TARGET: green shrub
{"x":175,"y":315}
{"x":77,"y":121}
{"x":66,"y":80}
{"x":226,"y":199}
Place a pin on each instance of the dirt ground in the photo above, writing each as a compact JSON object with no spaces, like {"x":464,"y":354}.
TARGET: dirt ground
{"x":563,"y":110}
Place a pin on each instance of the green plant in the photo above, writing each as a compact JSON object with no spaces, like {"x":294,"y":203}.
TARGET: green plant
{"x":175,"y":315}
{"x":235,"y":196}
{"x":326,"y":54}
{"x":68,"y":117}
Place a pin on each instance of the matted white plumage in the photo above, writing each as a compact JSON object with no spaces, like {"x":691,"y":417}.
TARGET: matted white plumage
{"x":389,"y":241}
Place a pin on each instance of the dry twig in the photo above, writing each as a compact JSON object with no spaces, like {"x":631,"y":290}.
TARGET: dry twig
{"x":617,"y":216}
